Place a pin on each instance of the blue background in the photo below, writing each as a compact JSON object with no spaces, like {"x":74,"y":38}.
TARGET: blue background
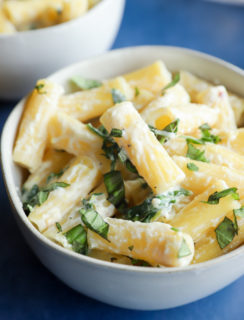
{"x":27,"y":289}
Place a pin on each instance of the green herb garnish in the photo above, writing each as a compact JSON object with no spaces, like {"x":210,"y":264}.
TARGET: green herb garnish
{"x":175,"y":229}
{"x":111,"y":149}
{"x":37,"y":196}
{"x":93,"y":220}
{"x":216,"y":196}
{"x":162,"y":135}
{"x":131,"y":248}
{"x":55,"y":175}
{"x":147,"y":210}
{"x":116,"y":133}
{"x":191,"y":166}
{"x":239,"y":212}
{"x":117,"y":96}
{"x":184,"y":250}
{"x":207,"y":136}
{"x":85,"y":84}
{"x":115,"y":187}
{"x":174,"y":81}
{"x":139,"y":263}
{"x":225,"y":232}
{"x":195,"y":154}
{"x":137,"y":91}
{"x":39,"y":88}
{"x":58,"y":226}
{"x":77,"y":236}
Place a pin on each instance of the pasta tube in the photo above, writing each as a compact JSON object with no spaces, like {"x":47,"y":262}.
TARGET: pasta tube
{"x":89,"y":104}
{"x":195,"y":85}
{"x":23,"y":13}
{"x":208,"y":248}
{"x":82,"y":176}
{"x":69,"y":134}
{"x":153,"y":242}
{"x":191,"y":116}
{"x":32,"y":135}
{"x":101,"y":205}
{"x":216,"y":154}
{"x":53,"y":162}
{"x":197,"y":217}
{"x":207,"y":174}
{"x":153,"y":77}
{"x":73,"y":9}
{"x":144,"y":150}
{"x":217,"y":98}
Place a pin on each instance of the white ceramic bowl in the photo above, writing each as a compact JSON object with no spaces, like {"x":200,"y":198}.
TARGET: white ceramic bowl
{"x":30,"y":55}
{"x":121,"y":285}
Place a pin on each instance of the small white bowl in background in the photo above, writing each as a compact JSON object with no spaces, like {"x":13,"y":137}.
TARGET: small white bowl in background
{"x":121,"y":285}
{"x":30,"y":55}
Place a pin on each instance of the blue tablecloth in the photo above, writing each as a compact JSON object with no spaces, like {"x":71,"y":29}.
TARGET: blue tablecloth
{"x":27,"y":289}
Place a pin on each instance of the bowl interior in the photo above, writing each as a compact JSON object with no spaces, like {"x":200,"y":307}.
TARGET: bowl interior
{"x":109,"y":65}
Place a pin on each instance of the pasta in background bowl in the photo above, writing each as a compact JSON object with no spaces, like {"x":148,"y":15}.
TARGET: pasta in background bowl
{"x":16,"y":15}
{"x":67,"y":35}
{"x":134,"y":286}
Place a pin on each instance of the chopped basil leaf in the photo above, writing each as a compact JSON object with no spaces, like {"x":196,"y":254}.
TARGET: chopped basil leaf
{"x":193,"y":140}
{"x":122,"y":155}
{"x":184,"y":250}
{"x":207,"y":136}
{"x":131,"y":248}
{"x":39,"y":88}
{"x":56,"y":185}
{"x":37,"y":196}
{"x":139,"y":263}
{"x":172,"y":126}
{"x":225,"y":232}
{"x":191,"y":166}
{"x":112,"y":259}
{"x":195,"y":154}
{"x":85,"y":84}
{"x":239,"y":212}
{"x":27,"y":195}
{"x":58,"y":226}
{"x":235,"y":224}
{"x":55,"y":175}
{"x":111,"y":149}
{"x":93,"y":220}
{"x":216,"y":196}
{"x":175,"y":229}
{"x":137,"y":91}
{"x":101,"y":131}
{"x":42,"y":197}
{"x":77,"y":236}
{"x":115,"y":187}
{"x":162,"y":135}
{"x":126,"y":161}
{"x":174,"y":81}
{"x":116,"y":133}
{"x":117,"y":96}
{"x":147,"y":210}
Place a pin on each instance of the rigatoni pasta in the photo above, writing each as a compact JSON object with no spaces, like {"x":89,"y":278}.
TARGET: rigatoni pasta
{"x":144,"y":169}
{"x":24,"y":15}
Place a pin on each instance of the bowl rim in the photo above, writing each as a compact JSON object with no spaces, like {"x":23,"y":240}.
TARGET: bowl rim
{"x":14,"y":197}
{"x":59,"y":26}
